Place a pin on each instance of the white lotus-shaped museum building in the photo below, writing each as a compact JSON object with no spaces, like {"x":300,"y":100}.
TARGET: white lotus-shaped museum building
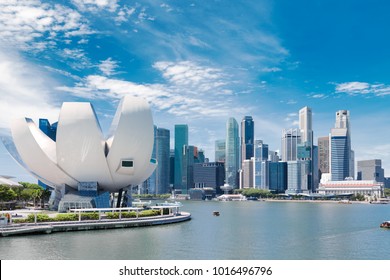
{"x":81,"y":155}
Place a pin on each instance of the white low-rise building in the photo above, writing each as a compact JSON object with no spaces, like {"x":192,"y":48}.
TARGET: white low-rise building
{"x":363,"y":187}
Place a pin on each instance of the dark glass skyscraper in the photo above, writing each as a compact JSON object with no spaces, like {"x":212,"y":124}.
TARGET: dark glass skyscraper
{"x":247,"y":138}
{"x":188,"y":168}
{"x":278,"y":176}
{"x":181,"y":140}
{"x":209,"y":175}
{"x":162,"y":139}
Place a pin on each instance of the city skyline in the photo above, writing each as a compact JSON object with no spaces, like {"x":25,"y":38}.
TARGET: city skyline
{"x":266,"y":60}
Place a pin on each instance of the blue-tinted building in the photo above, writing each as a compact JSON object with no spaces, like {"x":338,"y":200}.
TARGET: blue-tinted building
{"x":220,"y":150}
{"x":188,"y":168}
{"x":260,"y":165}
{"x":181,"y":140}
{"x":247,"y":138}
{"x":172,"y":167}
{"x":162,"y":144}
{"x":342,"y":160}
{"x":340,"y":157}
{"x":278,"y":177}
{"x":232,"y":155}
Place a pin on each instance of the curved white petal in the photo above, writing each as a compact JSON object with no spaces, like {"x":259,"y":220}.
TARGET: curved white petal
{"x":132,"y":141}
{"x":38,"y":152}
{"x":80,"y":144}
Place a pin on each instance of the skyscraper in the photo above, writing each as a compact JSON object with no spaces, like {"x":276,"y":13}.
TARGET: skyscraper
{"x":232,"y":153}
{"x":247,"y":174}
{"x":260,"y":165}
{"x":340,"y":148}
{"x":247,"y":138}
{"x":162,"y":140}
{"x":323,"y":154}
{"x":220,"y":150}
{"x":172,"y":167}
{"x":290,"y":140}
{"x":305,"y":126}
{"x":188,"y":168}
{"x":181,"y":140}
{"x":297,"y":181}
{"x":278,"y":176}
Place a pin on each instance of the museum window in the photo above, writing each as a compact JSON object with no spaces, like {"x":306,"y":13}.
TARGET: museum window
{"x":127,"y":163}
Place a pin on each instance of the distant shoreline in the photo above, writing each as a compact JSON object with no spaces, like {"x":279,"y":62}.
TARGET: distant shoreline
{"x":315,"y":201}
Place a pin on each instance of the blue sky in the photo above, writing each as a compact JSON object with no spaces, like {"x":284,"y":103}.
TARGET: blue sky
{"x":201,"y":62}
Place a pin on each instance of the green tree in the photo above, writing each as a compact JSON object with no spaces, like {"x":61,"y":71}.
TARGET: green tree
{"x":6,"y":194}
{"x":252,"y":192}
{"x":387,"y":191}
{"x":32,"y":192}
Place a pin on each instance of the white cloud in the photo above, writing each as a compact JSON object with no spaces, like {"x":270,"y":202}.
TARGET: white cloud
{"x":187,"y":73}
{"x":108,"y":66}
{"x":271,"y":69}
{"x":124,"y":14}
{"x":96,"y":5}
{"x":191,"y":90}
{"x":32,"y":24}
{"x":320,"y":96}
{"x":75,"y":58}
{"x":166,"y":7}
{"x":363,"y":88}
{"x":24,"y":90}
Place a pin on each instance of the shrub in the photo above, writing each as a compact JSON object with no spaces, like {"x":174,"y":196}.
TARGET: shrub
{"x":90,"y":216}
{"x":133,"y":214}
{"x":148,"y":213}
{"x":66,"y":217}
{"x":40,"y":218}
{"x":19,"y":221}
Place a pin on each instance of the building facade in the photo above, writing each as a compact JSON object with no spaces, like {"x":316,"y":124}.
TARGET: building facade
{"x":298,"y":181}
{"x":220,"y":150}
{"x":247,"y":138}
{"x":370,"y":170}
{"x":341,"y":155}
{"x":189,"y":153}
{"x":162,"y":144}
{"x":260,"y":165}
{"x":247,"y":174}
{"x":278,"y":177}
{"x":181,"y":140}
{"x":305,"y":126}
{"x":209,"y":175}
{"x":347,"y":187}
{"x":232,"y":153}
{"x":290,"y":140}
{"x":323,"y":155}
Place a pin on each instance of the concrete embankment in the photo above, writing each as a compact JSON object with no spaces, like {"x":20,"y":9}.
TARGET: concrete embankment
{"x":18,"y":229}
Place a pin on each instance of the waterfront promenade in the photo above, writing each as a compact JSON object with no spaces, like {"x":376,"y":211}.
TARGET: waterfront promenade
{"x":51,"y":227}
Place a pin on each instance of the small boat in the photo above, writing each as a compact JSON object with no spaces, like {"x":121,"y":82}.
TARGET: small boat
{"x":216,"y":213}
{"x":166,"y":203}
{"x":385,"y":224}
{"x":139,"y":203}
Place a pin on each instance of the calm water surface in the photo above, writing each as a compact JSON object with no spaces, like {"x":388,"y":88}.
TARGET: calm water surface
{"x":244,"y":230}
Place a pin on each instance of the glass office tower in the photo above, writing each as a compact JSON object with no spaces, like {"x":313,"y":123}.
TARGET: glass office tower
{"x":232,"y":153}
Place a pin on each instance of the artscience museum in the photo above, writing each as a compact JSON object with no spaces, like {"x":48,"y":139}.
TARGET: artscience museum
{"x":79,"y":162}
